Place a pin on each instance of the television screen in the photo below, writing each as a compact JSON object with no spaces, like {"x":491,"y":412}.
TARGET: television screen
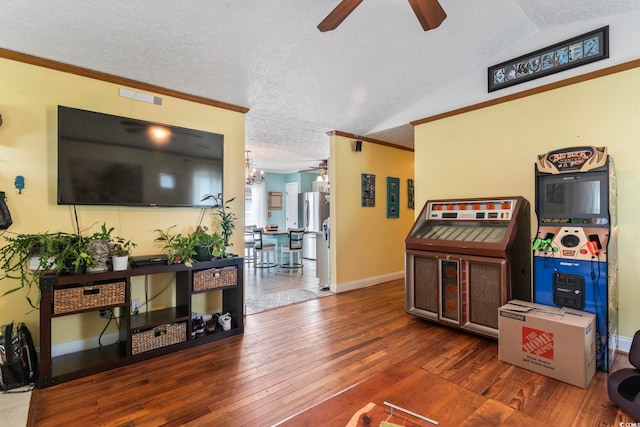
{"x":111,"y":160}
{"x":583,"y":195}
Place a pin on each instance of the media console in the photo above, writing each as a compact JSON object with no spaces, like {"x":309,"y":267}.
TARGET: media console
{"x":142,"y":335}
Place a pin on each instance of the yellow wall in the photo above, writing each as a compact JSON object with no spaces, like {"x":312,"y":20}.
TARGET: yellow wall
{"x":491,"y":152}
{"x":369,"y":246}
{"x":28,"y":147}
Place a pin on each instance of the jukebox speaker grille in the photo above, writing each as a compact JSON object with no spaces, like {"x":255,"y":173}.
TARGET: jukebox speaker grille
{"x":485,"y":283}
{"x":426,"y":284}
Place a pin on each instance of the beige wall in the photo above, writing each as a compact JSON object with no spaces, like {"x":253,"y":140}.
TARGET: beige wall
{"x":369,"y":246}
{"x":28,"y":141}
{"x":491,"y":152}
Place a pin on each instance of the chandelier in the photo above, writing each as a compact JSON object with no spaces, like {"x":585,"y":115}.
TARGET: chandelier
{"x":250,"y":176}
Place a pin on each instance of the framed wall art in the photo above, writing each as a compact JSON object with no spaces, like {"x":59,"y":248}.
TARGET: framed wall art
{"x":393,"y":197}
{"x":275,"y":200}
{"x":583,"y":49}
{"x":410,"y":194}
{"x":368,"y":193}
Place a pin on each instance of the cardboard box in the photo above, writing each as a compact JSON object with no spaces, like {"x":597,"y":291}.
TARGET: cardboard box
{"x":557,"y":342}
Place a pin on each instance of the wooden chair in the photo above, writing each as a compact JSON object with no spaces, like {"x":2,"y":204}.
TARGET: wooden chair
{"x":293,"y":248}
{"x":260,"y":249}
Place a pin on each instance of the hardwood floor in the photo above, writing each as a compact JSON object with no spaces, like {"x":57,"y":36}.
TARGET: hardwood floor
{"x":295,"y":357}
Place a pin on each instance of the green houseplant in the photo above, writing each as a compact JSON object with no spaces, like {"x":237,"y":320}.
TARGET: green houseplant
{"x":120,"y":251}
{"x":206,"y":245}
{"x":226,"y":217}
{"x":178,"y":248}
{"x":27,"y":257}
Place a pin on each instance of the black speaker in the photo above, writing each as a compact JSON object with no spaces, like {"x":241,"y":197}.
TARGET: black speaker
{"x":357,"y":145}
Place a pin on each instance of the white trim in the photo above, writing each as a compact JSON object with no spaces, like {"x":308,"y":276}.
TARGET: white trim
{"x":624,"y":344}
{"x":369,"y":281}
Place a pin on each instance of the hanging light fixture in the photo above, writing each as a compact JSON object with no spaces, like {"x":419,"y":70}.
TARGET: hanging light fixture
{"x":250,"y":176}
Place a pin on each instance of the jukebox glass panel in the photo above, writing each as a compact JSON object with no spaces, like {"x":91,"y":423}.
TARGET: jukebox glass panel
{"x":450,"y":290}
{"x":464,"y":232}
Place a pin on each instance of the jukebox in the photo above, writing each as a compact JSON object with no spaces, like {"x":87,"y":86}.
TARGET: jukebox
{"x":465,"y":258}
{"x":574,"y":252}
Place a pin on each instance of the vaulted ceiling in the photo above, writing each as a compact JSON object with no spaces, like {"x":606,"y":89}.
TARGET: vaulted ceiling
{"x":365,"y":77}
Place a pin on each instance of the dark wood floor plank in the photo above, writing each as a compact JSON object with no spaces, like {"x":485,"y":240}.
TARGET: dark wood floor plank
{"x":295,"y":357}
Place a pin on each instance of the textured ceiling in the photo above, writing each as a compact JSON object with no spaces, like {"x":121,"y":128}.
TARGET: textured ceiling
{"x":269,"y":56}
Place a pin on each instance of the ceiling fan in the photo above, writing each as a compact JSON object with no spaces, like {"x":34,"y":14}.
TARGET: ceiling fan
{"x":322,"y":168}
{"x":429,"y":13}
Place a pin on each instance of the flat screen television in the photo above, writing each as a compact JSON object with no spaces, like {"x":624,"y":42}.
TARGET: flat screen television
{"x":580,"y":196}
{"x":111,"y":160}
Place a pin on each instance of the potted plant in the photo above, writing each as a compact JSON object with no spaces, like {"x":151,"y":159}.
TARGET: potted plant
{"x":207,"y":245}
{"x":226,"y":217}
{"x":76,"y":256}
{"x":27,"y":257}
{"x":120,"y":251}
{"x":178,"y":248}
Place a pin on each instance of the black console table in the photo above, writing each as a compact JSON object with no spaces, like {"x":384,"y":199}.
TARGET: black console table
{"x":142,"y":335}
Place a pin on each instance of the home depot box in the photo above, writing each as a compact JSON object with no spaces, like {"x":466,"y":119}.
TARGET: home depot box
{"x":556,"y":342}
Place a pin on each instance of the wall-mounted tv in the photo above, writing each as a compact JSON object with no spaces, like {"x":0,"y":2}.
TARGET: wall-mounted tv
{"x":111,"y":160}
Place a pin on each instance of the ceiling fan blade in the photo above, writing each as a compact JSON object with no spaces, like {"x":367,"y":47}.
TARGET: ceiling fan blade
{"x":429,"y":13}
{"x":338,"y":15}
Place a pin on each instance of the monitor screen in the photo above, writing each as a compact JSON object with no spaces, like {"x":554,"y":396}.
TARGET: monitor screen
{"x":581,"y":195}
{"x":111,"y":160}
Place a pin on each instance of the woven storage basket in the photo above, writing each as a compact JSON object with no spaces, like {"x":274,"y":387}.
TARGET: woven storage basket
{"x":215,"y":278}
{"x":159,"y":337}
{"x":90,"y":296}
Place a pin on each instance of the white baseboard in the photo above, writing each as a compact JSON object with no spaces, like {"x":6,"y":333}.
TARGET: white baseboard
{"x":83,"y":344}
{"x":624,"y":344}
{"x":369,"y":281}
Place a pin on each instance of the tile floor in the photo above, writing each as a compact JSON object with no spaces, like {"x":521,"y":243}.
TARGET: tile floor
{"x":265,"y":281}
{"x":14,"y":408}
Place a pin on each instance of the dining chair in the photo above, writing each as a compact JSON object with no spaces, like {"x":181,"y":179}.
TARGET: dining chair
{"x":260,"y":249}
{"x":293,"y":248}
{"x":248,"y":243}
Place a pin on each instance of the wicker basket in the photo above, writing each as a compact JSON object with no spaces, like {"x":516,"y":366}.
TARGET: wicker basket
{"x":215,"y":278}
{"x":85,"y":297}
{"x":158,"y":337}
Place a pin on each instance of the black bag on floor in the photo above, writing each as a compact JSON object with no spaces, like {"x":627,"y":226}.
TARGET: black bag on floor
{"x":5,"y":215}
{"x":18,"y":358}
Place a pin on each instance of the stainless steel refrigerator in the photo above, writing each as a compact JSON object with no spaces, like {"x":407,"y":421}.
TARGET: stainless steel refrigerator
{"x":313,"y":209}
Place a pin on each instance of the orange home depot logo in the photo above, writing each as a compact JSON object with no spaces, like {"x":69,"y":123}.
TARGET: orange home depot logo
{"x":538,"y":343}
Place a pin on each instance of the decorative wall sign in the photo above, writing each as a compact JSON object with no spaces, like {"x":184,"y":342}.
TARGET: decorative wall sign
{"x":368,"y":190}
{"x":393,"y":197}
{"x":410,"y":194}
{"x":275,"y":200}
{"x":584,"y":49}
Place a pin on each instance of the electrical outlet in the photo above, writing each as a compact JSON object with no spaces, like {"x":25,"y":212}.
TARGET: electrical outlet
{"x":106,"y":313}
{"x":135,"y":305}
